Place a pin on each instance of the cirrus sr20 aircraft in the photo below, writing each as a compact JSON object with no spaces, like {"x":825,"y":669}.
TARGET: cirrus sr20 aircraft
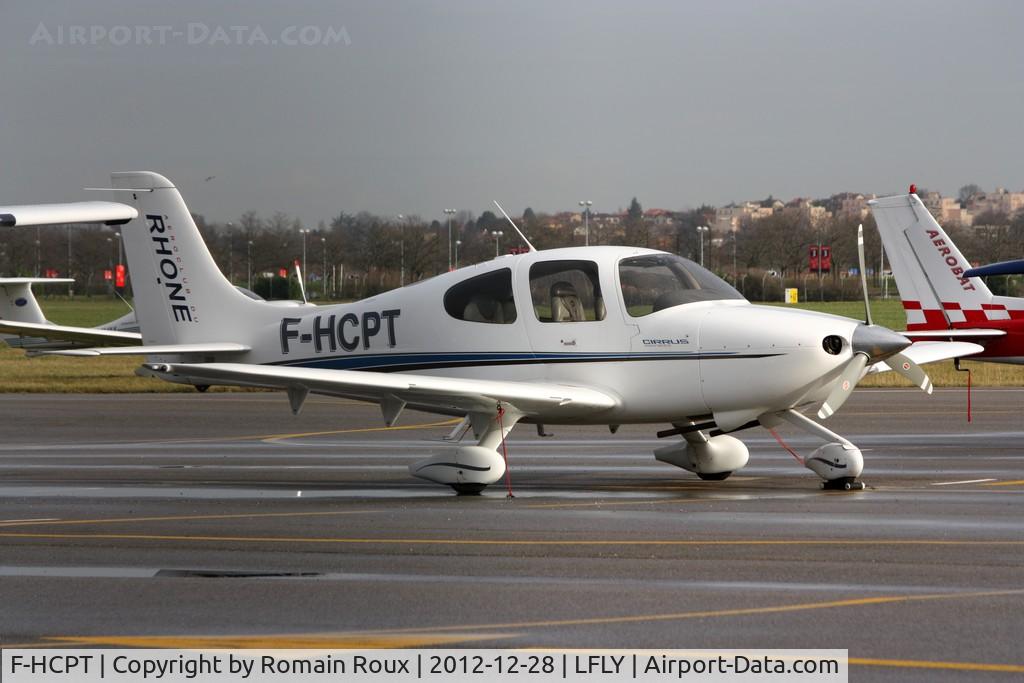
{"x":583,"y":336}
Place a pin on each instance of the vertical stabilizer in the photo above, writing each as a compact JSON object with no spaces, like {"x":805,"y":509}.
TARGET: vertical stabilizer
{"x":181,"y":297}
{"x":18,"y":303}
{"x":929,"y":269}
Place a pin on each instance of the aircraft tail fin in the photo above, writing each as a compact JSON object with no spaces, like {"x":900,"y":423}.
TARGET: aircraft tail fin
{"x":18,"y":303}
{"x":181,"y":295}
{"x":929,"y":269}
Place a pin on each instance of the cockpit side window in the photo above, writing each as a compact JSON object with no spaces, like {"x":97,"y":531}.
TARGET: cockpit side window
{"x":654,"y":282}
{"x":566,"y":291}
{"x":485,"y":298}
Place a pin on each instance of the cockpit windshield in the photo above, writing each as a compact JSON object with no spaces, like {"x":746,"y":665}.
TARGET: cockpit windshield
{"x":654,"y":282}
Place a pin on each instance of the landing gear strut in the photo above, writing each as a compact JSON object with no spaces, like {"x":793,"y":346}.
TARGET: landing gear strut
{"x":470,"y":469}
{"x":838,"y":462}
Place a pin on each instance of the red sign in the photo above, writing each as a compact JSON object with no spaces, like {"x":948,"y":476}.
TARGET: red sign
{"x":108,"y":275}
{"x":50,"y":272}
{"x":119,"y":276}
{"x":283,"y":272}
{"x":822,"y":260}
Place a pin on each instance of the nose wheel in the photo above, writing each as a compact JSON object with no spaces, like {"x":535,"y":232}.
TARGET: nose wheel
{"x":843,"y":484}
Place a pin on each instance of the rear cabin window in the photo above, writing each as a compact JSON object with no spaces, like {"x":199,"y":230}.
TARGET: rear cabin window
{"x":483,"y":299}
{"x":654,"y":282}
{"x":566,"y":292}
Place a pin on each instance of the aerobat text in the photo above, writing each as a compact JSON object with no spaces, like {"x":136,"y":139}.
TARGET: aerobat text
{"x":954,"y":264}
{"x":347,"y":332}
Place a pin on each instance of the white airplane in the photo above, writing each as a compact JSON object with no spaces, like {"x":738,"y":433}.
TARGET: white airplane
{"x":24,"y":326}
{"x":590,"y":336}
{"x":942,"y":297}
{"x":22,"y":322}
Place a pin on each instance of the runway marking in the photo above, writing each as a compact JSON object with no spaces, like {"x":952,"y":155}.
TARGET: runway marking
{"x":13,"y":522}
{"x":174,"y":518}
{"x":1016,"y":482}
{"x":422,"y":425}
{"x":967,"y":481}
{"x":272,"y":437}
{"x":282,"y":642}
{"x":925,"y":664}
{"x":504,"y":542}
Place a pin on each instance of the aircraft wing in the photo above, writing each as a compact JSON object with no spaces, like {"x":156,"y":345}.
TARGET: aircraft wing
{"x":60,"y":333}
{"x":111,"y":213}
{"x":932,"y":352}
{"x":445,"y":394}
{"x":152,"y":350}
{"x":1001,"y":268}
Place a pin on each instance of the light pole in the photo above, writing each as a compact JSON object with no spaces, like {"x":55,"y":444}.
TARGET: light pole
{"x":249,"y":251}
{"x":586,"y":204}
{"x":231,"y":253}
{"x":401,"y":246}
{"x":304,"y":231}
{"x":110,"y":241}
{"x":323,"y":273}
{"x":701,"y":229}
{"x":497,"y":241}
{"x":120,"y":248}
{"x":69,"y":261}
{"x":735,"y":273}
{"x":457,"y":244}
{"x":449,"y":213}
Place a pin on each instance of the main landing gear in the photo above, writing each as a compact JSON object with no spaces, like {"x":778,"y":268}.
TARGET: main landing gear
{"x":471,"y":469}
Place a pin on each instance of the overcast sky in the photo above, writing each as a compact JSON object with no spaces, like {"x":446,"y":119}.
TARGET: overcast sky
{"x":418,"y":106}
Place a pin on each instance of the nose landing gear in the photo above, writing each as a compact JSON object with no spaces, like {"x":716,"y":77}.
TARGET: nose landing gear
{"x":838,"y":462}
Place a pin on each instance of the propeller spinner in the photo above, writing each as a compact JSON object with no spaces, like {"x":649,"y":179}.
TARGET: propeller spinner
{"x":872,"y":344}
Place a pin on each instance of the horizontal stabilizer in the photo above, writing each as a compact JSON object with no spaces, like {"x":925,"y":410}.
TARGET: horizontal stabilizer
{"x":35,"y":280}
{"x":111,"y":213}
{"x":444,"y":394}
{"x":155,"y":350}
{"x":1001,"y":268}
{"x":62,"y":333}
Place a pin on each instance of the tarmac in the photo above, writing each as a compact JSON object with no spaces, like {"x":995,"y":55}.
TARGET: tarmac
{"x":221,"y":520}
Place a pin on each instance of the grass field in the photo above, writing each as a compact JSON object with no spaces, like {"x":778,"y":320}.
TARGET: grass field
{"x":116,"y":375}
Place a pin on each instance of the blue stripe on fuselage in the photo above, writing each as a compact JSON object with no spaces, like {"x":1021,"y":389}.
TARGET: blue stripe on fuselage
{"x":401,"y":362}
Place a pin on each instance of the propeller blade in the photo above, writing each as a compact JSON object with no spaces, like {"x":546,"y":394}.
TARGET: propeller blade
{"x":844,"y":387}
{"x":911,"y":370}
{"x":863,"y":274}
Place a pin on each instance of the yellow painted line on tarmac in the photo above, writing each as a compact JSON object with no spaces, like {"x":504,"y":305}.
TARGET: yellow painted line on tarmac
{"x":926,"y":664}
{"x":274,"y":437}
{"x":698,"y":614}
{"x":423,"y":425}
{"x":1015,"y":482}
{"x":282,"y":642}
{"x":508,"y":542}
{"x":177,"y":518}
{"x":610,"y":503}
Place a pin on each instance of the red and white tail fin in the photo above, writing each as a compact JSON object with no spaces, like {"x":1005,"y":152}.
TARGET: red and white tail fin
{"x":929,"y":269}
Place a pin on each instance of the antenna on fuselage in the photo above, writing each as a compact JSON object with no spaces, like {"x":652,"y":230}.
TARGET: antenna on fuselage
{"x":302,"y":284}
{"x":514,"y":226}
